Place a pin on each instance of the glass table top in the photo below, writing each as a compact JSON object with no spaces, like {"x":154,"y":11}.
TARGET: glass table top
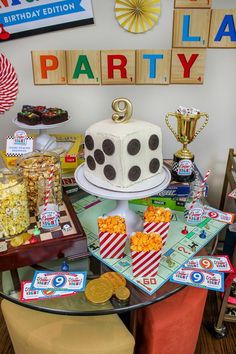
{"x":10,"y":281}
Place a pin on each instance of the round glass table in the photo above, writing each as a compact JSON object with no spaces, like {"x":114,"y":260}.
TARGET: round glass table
{"x":78,"y":305}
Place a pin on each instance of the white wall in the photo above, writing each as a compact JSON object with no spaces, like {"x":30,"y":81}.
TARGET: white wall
{"x":88,"y":104}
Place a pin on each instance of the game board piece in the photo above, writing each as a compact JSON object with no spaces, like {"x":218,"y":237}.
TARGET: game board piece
{"x":202,"y":234}
{"x":66,"y":227}
{"x":170,"y":262}
{"x":36,"y":231}
{"x":65,"y":267}
{"x":184,"y":231}
{"x":33,"y":240}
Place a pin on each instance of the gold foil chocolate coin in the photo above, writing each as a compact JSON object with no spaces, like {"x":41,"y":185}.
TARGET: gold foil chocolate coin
{"x":115,"y":279}
{"x":122,"y":293}
{"x":98,"y":291}
{"x":17,"y":241}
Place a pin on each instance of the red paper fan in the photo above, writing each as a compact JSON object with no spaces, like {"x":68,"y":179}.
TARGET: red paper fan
{"x":8,"y":84}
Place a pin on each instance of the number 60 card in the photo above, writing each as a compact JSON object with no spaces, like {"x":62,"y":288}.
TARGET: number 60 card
{"x":59,"y":281}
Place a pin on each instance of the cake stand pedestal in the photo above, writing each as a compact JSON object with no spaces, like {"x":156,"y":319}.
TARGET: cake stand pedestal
{"x":133,"y":221}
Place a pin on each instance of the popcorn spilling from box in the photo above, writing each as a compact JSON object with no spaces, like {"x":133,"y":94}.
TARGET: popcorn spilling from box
{"x":146,"y":251}
{"x":112,"y":236}
{"x":184,"y":110}
{"x":157,"y":219}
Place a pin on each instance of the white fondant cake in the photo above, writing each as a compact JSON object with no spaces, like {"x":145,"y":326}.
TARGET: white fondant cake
{"x":123,"y":153}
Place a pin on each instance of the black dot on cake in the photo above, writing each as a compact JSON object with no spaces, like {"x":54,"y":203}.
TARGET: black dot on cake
{"x":133,"y":147}
{"x":89,"y":142}
{"x":99,"y":156}
{"x":108,"y":147}
{"x":109,"y":172}
{"x":153,"y":142}
{"x":91,"y":163}
{"x":134,"y":173}
{"x":154,"y":165}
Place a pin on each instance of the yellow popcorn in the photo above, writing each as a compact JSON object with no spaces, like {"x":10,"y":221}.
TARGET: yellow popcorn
{"x":14,"y":214}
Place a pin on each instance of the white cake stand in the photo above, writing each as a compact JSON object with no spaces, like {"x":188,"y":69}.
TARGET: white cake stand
{"x":43,"y":136}
{"x":133,"y":221}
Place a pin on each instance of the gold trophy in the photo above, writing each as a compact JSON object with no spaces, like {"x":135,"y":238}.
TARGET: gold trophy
{"x":182,"y":168}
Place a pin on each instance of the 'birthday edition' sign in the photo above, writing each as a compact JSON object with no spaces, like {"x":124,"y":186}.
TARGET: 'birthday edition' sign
{"x":19,"y":18}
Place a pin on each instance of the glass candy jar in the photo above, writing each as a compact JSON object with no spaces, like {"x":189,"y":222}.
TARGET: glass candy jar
{"x":194,"y":208}
{"x":36,"y":167}
{"x":14,"y":213}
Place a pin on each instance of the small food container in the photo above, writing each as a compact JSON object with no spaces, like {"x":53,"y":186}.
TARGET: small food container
{"x":157,"y":219}
{"x":112,"y":236}
{"x":36,"y":167}
{"x":146,"y":252}
{"x":14,"y":213}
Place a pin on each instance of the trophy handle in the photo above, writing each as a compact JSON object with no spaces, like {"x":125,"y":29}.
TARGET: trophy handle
{"x":170,"y":126}
{"x":204,"y":124}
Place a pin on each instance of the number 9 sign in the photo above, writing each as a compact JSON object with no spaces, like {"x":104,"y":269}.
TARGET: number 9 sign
{"x":196,"y":277}
{"x":58,"y":281}
{"x":206,"y":263}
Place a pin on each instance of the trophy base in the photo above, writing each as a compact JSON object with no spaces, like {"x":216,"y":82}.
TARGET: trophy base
{"x":182,"y":169}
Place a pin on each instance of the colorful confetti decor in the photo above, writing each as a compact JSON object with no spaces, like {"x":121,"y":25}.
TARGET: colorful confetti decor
{"x":8,"y":84}
{"x":137,"y":16}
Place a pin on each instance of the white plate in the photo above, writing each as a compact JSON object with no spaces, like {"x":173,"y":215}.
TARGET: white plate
{"x":89,"y":187}
{"x":38,"y":126}
{"x":137,"y":187}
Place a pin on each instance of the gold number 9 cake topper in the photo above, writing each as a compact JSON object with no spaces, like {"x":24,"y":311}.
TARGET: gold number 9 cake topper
{"x":123,"y":110}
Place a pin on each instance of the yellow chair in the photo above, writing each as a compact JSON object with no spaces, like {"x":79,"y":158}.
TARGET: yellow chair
{"x":34,"y":332}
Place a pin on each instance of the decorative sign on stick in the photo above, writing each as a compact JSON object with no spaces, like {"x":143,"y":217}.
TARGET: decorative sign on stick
{"x":19,"y":144}
{"x":20,"y":18}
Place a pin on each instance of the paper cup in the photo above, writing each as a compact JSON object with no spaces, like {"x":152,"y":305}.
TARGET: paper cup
{"x":160,"y":228}
{"x":112,"y":245}
{"x":145,"y":264}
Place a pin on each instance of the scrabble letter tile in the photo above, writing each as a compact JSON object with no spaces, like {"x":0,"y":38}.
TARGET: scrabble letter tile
{"x":223,"y":29}
{"x":191,"y":28}
{"x":118,"y":67}
{"x":203,"y":4}
{"x":83,"y":67}
{"x":188,"y":66}
{"x":153,"y":67}
{"x":49,"y":67}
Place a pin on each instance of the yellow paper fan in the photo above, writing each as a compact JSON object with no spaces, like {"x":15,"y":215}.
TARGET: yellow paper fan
{"x":137,"y":16}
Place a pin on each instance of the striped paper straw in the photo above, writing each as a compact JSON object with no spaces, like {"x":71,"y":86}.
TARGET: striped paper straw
{"x":198,"y":194}
{"x":48,"y":187}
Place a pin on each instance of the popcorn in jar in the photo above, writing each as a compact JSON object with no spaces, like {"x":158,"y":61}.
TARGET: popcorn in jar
{"x":35,"y":168}
{"x":14,"y":213}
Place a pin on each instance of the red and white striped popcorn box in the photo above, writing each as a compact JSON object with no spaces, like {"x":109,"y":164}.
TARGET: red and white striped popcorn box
{"x":160,"y":228}
{"x":145,"y":264}
{"x":112,"y":245}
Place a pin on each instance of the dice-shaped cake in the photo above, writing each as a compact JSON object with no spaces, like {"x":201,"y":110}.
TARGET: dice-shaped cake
{"x":124,"y":153}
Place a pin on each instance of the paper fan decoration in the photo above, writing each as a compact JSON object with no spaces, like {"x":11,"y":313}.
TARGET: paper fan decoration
{"x":8,"y":84}
{"x":137,"y":16}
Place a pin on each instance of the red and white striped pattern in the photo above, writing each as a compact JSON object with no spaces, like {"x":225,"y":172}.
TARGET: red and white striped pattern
{"x":145,"y":264}
{"x":49,"y":186}
{"x":160,"y":228}
{"x":8,"y":84}
{"x":112,"y":245}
